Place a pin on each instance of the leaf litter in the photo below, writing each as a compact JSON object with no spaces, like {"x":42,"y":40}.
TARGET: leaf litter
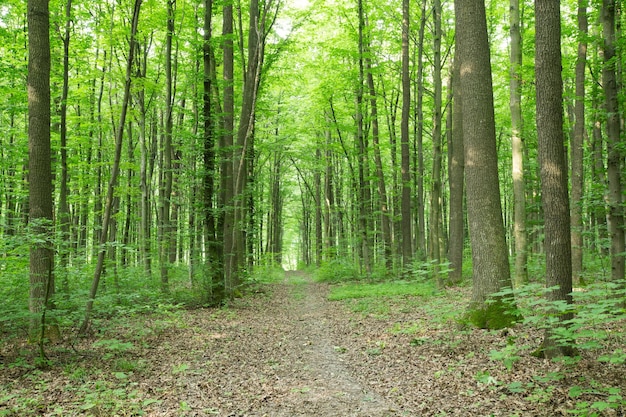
{"x":288,"y":351}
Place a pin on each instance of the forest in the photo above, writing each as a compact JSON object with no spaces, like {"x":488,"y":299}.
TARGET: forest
{"x":361,"y":207}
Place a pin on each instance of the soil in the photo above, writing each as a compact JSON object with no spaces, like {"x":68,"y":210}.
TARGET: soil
{"x":288,"y":351}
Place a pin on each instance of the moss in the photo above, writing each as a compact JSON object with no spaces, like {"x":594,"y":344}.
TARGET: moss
{"x":494,"y":315}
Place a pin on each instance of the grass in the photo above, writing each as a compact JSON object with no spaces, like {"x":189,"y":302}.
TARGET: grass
{"x":382,"y":289}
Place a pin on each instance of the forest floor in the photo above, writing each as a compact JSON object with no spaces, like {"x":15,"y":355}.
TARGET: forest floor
{"x":289,"y":351}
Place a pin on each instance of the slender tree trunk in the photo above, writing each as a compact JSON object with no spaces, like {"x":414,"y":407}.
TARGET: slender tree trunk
{"x":435,"y":193}
{"x":39,"y":169}
{"x":227,"y":175}
{"x":407,"y":244}
{"x":456,"y":162}
{"x":419,"y":137}
{"x":363,"y":186}
{"x":517,"y":144}
{"x":577,"y":146}
{"x":63,"y":210}
{"x":208,"y":180}
{"x":554,"y":195}
{"x":167,"y":175}
{"x":115,"y":170}
{"x":489,"y":250}
{"x":615,"y":158}
{"x":385,"y":215}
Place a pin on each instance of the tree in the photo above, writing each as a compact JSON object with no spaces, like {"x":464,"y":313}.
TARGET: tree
{"x":484,"y":211}
{"x":39,"y":168}
{"x":436,"y":193}
{"x":517,"y":144}
{"x":554,"y":192}
{"x":407,"y":237}
{"x":456,"y":162}
{"x":577,"y":146}
{"x":615,"y":158}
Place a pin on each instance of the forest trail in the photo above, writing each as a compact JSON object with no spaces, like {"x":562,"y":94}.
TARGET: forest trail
{"x":273,"y":356}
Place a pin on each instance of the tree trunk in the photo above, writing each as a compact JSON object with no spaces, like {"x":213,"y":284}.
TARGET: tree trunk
{"x":615,"y":158}
{"x":456,"y":162}
{"x":435,"y":192}
{"x":577,"y":146}
{"x":227,"y":178}
{"x":517,"y":145}
{"x":363,"y":185}
{"x":63,"y":210}
{"x":385,"y":215}
{"x":484,"y":211}
{"x":39,"y":169}
{"x":407,"y":244}
{"x":554,"y":192}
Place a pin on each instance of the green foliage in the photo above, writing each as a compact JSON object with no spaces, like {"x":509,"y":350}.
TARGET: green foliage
{"x":385,"y":289}
{"x":267,"y":274}
{"x":337,"y":270}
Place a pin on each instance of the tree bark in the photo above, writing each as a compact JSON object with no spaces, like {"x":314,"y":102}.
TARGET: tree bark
{"x":435,"y":192}
{"x":554,"y":189}
{"x":39,"y":168}
{"x":456,"y":164}
{"x":517,"y":145}
{"x":407,"y":235}
{"x":577,"y":146}
{"x":615,"y":158}
{"x":484,"y":211}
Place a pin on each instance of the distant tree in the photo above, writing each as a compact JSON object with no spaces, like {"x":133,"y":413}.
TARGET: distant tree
{"x":484,"y":212}
{"x":39,"y":167}
{"x":554,"y":187}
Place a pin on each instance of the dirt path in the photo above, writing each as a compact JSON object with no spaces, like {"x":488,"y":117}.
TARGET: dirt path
{"x":275,"y":356}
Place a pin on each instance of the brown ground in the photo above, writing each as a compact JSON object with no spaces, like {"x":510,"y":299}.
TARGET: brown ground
{"x":288,"y":351}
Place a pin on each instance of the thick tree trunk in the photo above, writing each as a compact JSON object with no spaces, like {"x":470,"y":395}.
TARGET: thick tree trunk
{"x":484,"y":211}
{"x":554,"y":190}
{"x":39,"y":168}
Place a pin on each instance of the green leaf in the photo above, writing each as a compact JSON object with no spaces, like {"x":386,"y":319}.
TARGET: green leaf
{"x":575,"y":391}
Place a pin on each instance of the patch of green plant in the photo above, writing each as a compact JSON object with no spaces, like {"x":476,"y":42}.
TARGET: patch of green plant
{"x":383,"y":289}
{"x":267,"y":273}
{"x":406,"y":328}
{"x":113,"y":347}
{"x":337,"y":270}
{"x":373,"y":306}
